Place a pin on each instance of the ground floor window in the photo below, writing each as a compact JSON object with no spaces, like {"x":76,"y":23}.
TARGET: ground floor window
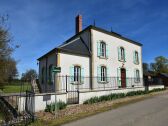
{"x":76,"y":74}
{"x":137,"y":76}
{"x":102,"y":74}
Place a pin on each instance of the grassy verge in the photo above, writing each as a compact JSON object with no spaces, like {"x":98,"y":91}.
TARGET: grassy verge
{"x":1,"y":116}
{"x":15,"y":88}
{"x":116,"y":103}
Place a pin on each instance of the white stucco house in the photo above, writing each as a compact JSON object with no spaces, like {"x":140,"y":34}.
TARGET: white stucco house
{"x":92,"y":59}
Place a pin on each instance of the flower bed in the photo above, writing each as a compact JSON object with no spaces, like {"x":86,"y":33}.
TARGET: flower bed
{"x":118,"y":95}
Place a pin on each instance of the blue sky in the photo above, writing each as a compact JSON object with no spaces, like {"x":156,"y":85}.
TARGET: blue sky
{"x":40,"y":25}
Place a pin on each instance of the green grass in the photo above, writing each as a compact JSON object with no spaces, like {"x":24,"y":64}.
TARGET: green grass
{"x":1,"y":116}
{"x":16,"y":88}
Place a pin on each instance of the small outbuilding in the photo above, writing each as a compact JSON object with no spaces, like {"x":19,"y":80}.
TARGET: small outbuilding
{"x":164,"y":78}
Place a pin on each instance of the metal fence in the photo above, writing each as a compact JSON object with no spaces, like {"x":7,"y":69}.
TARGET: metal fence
{"x":10,"y":103}
{"x":66,"y":83}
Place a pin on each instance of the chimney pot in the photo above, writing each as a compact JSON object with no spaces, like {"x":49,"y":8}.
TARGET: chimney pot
{"x":78,"y":23}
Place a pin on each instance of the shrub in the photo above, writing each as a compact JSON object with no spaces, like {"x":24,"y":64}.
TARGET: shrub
{"x":51,"y":107}
{"x":118,"y":95}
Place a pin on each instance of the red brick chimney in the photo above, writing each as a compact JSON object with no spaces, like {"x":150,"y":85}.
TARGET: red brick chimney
{"x":78,"y":23}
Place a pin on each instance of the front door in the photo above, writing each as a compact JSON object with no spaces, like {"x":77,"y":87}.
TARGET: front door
{"x":123,"y":78}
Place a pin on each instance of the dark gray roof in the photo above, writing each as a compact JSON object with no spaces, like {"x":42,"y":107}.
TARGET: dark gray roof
{"x":78,"y":49}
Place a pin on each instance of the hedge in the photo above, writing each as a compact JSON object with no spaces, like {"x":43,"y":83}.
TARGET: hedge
{"x":118,"y":95}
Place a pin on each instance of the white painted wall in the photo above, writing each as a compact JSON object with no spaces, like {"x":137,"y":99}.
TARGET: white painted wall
{"x":68,"y":60}
{"x":40,"y":104}
{"x":51,"y":59}
{"x":83,"y":96}
{"x":112,"y":62}
{"x":151,"y":87}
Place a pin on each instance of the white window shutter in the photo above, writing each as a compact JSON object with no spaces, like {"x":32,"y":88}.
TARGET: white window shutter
{"x":98,"y":48}
{"x":134,"y":57}
{"x":119,"y":76}
{"x":107,"y":51}
{"x":82,"y":75}
{"x":108,"y":76}
{"x":127,"y":78}
{"x":71,"y":74}
{"x":124,"y":55}
{"x":99,"y":73}
{"x":119,"y":53}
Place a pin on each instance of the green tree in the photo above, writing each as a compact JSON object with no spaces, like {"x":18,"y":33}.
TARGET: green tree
{"x":145,"y":67}
{"x":28,"y":75}
{"x":160,"y":65}
{"x":8,"y":68}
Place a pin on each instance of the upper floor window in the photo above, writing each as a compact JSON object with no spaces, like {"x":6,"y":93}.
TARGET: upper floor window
{"x":76,"y":74}
{"x":137,"y":76}
{"x":102,"y":49}
{"x":136,"y":57}
{"x":121,"y":54}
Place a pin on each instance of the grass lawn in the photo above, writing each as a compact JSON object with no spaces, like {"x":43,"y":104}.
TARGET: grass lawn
{"x":1,"y":116}
{"x":16,"y":88}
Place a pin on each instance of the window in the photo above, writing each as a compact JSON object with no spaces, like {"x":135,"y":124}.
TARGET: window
{"x":137,"y":76}
{"x":136,"y":57}
{"x":50,"y":74}
{"x":121,"y":54}
{"x":103,"y":73}
{"x":102,"y":49}
{"x":76,"y":74}
{"x":43,"y":75}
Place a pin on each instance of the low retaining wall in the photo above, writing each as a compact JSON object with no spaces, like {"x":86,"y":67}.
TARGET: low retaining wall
{"x":83,"y":96}
{"x":41,"y":100}
{"x":151,"y":87}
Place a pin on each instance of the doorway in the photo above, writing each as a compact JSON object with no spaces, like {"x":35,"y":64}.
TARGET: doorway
{"x":123,"y":78}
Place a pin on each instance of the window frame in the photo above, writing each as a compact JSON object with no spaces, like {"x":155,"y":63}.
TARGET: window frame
{"x":137,"y":76}
{"x":77,"y":75}
{"x":121,"y":54}
{"x":103,"y":49}
{"x":103,"y":74}
{"x":122,"y":50}
{"x":136,"y":57}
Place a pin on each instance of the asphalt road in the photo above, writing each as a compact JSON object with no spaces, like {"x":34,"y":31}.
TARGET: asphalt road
{"x":150,"y":112}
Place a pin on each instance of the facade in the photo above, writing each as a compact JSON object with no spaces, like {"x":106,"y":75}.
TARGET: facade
{"x":92,"y":59}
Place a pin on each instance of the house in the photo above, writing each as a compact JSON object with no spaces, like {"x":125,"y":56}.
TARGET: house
{"x":92,"y":59}
{"x":164,"y":78}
